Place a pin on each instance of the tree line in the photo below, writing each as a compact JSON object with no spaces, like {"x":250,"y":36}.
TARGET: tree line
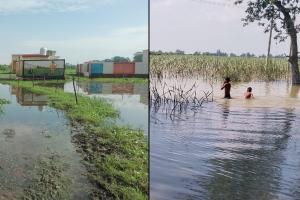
{"x":217,"y":53}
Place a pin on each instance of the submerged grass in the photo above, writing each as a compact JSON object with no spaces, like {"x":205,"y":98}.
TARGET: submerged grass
{"x":48,"y":180}
{"x":2,"y":102}
{"x":237,"y":68}
{"x":116,"y":157}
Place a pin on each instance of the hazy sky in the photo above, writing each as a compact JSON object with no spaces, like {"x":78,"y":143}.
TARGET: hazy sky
{"x":206,"y":25}
{"x":79,"y":30}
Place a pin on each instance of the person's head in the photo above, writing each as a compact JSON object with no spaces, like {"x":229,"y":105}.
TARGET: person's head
{"x":227,"y":79}
{"x":249,"y":89}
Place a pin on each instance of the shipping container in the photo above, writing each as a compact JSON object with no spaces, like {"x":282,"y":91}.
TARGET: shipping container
{"x":96,"y":69}
{"x":42,"y":68}
{"x":126,"y":68}
{"x":108,"y":68}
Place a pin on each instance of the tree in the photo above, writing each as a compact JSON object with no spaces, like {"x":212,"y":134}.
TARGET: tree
{"x":178,"y":51}
{"x":281,"y":15}
{"x":138,"y":57}
{"x":120,"y":59}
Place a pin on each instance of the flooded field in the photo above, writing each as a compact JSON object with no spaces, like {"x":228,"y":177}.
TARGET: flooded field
{"x":37,"y":158}
{"x":130,"y":99}
{"x":229,"y":149}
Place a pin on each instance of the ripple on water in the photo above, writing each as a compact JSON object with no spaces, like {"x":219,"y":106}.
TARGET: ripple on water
{"x":226,"y":152}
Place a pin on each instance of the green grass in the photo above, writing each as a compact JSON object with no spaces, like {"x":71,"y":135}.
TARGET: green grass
{"x":42,"y":71}
{"x":116,"y":157}
{"x":4,"y":69}
{"x":237,"y":68}
{"x":70,"y":71}
{"x":2,"y":102}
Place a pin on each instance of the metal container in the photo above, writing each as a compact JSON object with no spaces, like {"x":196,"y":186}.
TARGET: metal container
{"x":108,"y":68}
{"x":96,"y":69}
{"x":126,"y":68}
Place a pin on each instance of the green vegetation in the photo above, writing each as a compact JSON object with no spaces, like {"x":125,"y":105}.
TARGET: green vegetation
{"x":237,"y":68}
{"x":48,"y":180}
{"x":4,"y":69}
{"x":2,"y":102}
{"x":116,"y":157}
{"x":43,"y":71}
{"x":70,"y":71}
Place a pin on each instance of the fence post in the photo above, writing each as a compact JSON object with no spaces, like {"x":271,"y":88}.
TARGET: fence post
{"x":74,"y":89}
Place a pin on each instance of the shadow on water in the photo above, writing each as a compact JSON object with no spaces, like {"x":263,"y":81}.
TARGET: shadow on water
{"x":229,"y":152}
{"x":37,"y":158}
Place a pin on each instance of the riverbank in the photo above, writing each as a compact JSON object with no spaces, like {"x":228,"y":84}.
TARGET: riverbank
{"x":116,"y":157}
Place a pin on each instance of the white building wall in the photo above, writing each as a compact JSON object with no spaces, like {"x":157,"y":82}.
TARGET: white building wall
{"x":141,"y":68}
{"x":145,"y":56}
{"x":84,"y":68}
{"x":108,"y":67}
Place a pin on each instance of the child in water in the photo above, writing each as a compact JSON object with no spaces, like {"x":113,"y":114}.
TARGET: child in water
{"x":248,"y":94}
{"x":226,"y":85}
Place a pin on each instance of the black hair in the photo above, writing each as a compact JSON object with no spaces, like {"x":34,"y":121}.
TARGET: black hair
{"x":249,"y":89}
{"x":227,"y":79}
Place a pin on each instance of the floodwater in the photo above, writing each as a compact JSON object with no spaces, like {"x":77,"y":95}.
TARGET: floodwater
{"x":34,"y":140}
{"x":130,"y":99}
{"x":229,"y":149}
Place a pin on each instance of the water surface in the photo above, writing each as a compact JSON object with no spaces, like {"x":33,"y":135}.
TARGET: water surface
{"x":32,"y":133}
{"x":229,"y":149}
{"x":131,"y":100}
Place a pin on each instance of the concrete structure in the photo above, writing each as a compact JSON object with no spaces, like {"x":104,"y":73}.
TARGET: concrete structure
{"x":142,"y":68}
{"x":44,"y":65}
{"x":115,"y":69}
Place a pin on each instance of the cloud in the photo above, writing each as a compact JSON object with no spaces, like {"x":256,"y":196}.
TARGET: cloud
{"x":37,"y":6}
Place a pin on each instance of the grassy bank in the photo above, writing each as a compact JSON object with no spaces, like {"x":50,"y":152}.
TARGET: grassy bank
{"x":237,"y":68}
{"x":116,"y":157}
{"x":4,"y":69}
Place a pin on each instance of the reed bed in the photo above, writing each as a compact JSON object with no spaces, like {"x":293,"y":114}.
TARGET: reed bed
{"x":237,"y":68}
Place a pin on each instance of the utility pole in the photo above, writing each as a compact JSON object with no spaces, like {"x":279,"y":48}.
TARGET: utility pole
{"x":270,"y":38}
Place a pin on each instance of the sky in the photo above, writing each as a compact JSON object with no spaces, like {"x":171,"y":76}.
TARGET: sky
{"x":79,"y":30}
{"x":206,"y":25}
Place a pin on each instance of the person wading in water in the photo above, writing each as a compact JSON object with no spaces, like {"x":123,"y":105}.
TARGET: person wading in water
{"x":226,"y":85}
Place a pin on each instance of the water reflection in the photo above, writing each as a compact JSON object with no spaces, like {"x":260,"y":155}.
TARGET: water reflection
{"x":230,"y":150}
{"x":27,"y":98}
{"x":93,"y":87}
{"x":28,"y":136}
{"x":130,"y":99}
